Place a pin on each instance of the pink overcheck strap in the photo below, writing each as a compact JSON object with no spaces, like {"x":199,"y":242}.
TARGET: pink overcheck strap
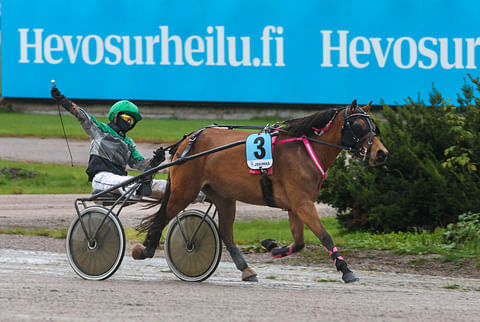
{"x":314,"y":157}
{"x":319,"y":132}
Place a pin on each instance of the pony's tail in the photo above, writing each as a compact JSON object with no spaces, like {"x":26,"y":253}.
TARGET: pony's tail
{"x":155,"y":223}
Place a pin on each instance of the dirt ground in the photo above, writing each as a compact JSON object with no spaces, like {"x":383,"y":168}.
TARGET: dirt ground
{"x":56,"y":211}
{"x":37,"y":283}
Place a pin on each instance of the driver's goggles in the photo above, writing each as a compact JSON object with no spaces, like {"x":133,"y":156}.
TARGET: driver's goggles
{"x":127,"y":118}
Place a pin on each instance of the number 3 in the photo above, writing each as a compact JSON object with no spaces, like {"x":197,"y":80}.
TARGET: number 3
{"x":260,"y":153}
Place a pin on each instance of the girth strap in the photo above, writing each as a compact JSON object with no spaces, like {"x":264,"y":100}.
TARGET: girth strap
{"x":267,"y":190}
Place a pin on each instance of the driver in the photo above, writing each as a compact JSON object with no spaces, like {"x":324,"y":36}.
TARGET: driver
{"x":111,"y":150}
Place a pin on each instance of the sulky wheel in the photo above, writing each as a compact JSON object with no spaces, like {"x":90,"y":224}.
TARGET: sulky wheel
{"x":193,"y":259}
{"x":99,"y":258}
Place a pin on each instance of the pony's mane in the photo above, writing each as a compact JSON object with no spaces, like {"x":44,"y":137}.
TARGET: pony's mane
{"x":304,"y":125}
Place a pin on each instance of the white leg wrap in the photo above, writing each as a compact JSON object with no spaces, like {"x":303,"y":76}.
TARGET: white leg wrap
{"x":159,"y":185}
{"x":200,"y":197}
{"x":106,"y":180}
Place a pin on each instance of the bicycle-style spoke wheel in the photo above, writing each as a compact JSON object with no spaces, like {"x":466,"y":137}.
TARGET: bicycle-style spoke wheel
{"x":99,"y":258}
{"x":193,"y":258}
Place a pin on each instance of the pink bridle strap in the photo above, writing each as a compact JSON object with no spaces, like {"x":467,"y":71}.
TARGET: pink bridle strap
{"x":314,"y":157}
{"x":310,"y":152}
{"x":319,"y":132}
{"x":288,"y":140}
{"x":324,"y":129}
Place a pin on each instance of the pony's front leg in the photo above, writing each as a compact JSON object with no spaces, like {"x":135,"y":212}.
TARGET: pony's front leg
{"x":308,"y":214}
{"x":296,"y":228}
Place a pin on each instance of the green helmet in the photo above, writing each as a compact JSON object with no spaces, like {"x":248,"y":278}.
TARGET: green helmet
{"x":126,"y":107}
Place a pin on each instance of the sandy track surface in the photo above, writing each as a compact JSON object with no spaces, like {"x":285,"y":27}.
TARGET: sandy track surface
{"x":39,"y":286}
{"x":37,"y":283}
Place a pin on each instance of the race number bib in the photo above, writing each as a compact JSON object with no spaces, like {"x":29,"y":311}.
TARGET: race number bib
{"x":259,"y":151}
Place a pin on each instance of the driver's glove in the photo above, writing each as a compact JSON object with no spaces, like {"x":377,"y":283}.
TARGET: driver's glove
{"x":61,"y":99}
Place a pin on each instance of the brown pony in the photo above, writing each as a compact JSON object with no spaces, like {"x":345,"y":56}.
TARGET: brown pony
{"x":294,"y":184}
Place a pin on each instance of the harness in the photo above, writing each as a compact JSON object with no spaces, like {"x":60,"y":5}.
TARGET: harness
{"x":266,"y":183}
{"x":352,"y":135}
{"x":306,"y":142}
{"x":310,"y":152}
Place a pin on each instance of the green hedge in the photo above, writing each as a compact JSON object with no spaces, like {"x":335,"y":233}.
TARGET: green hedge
{"x":431,"y":175}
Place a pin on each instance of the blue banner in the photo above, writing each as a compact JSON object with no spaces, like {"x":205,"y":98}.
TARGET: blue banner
{"x":268,"y":51}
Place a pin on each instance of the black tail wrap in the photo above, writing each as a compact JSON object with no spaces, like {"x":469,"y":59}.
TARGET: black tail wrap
{"x":155,"y":224}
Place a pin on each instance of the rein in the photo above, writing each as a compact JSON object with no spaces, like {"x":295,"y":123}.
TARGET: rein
{"x":276,"y":128}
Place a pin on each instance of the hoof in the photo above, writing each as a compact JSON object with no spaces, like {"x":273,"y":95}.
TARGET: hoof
{"x":279,"y":252}
{"x":141,"y":252}
{"x":249,"y":275}
{"x":137,"y":252}
{"x":349,"y":277}
{"x":269,"y":244}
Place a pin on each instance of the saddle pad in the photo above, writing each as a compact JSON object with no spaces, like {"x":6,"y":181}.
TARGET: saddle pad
{"x":258,"y":148}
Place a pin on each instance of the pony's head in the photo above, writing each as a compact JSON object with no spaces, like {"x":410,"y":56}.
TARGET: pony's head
{"x":361,"y":134}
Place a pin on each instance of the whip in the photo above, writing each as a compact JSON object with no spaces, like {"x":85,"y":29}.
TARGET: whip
{"x":63,"y":127}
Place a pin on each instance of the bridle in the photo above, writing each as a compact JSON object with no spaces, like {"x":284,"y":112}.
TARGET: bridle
{"x":354,"y":135}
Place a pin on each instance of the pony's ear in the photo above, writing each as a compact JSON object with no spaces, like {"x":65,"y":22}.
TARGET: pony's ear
{"x":353,"y":107}
{"x":366,"y":108}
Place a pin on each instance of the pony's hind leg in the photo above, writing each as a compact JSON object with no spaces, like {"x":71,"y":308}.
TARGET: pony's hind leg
{"x":173,"y":203}
{"x":308,"y":214}
{"x":226,"y":216}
